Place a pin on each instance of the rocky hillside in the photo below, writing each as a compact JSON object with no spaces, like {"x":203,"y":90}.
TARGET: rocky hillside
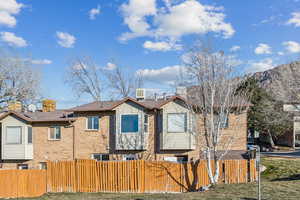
{"x":283,"y":82}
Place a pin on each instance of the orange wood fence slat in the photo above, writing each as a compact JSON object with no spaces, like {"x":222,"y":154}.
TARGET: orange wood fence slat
{"x":120,"y":176}
{"x":142,"y":176}
{"x":22,"y":183}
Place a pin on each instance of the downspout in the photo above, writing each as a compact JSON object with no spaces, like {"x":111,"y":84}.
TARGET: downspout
{"x":73,"y":142}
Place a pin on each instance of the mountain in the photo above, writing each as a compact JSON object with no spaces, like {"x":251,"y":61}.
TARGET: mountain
{"x":282,"y":82}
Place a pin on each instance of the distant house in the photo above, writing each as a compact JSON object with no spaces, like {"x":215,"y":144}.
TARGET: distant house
{"x":292,"y":139}
{"x":156,"y":129}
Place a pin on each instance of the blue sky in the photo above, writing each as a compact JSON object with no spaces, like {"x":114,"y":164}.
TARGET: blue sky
{"x":146,"y":35}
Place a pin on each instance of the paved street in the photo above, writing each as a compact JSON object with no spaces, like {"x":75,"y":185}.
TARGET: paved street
{"x":290,"y":154}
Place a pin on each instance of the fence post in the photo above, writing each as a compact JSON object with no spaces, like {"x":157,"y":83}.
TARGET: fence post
{"x":76,"y":176}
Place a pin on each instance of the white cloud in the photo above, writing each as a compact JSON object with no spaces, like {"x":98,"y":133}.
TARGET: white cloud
{"x":161,"y":46}
{"x":191,"y":17}
{"x":166,"y":75}
{"x":292,"y":46}
{"x":12,"y":40}
{"x":134,"y":14}
{"x":65,"y":39}
{"x":110,"y":66}
{"x":9,"y":8}
{"x":235,"y":48}
{"x":295,"y":20}
{"x":268,"y":20}
{"x":263,"y":49}
{"x":41,"y":62}
{"x":94,"y":12}
{"x":280,"y":53}
{"x":263,"y":65}
{"x":172,"y":21}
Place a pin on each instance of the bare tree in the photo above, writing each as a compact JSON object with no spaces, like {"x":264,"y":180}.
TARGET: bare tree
{"x":18,"y":80}
{"x":85,"y":77}
{"x":123,"y":84}
{"x":211,"y":99}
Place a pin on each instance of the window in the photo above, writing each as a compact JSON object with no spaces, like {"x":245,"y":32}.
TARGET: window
{"x":223,"y":121}
{"x":129,"y":157}
{"x":54,"y":133}
{"x":29,"y":135}
{"x":22,"y":166}
{"x":100,"y":157}
{"x":182,"y":159}
{"x":13,"y":135}
{"x":146,"y":123}
{"x":43,"y":165}
{"x":92,"y":123}
{"x":129,"y":123}
{"x":177,"y":122}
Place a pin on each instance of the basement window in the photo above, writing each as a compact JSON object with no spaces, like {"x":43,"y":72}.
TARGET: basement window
{"x":22,"y":166}
{"x":43,"y":165}
{"x":129,"y":157}
{"x":100,"y":157}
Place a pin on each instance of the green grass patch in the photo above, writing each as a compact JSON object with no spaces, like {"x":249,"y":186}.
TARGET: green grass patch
{"x":280,"y":168}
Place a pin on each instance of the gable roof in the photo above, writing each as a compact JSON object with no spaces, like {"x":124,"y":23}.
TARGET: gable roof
{"x":110,"y":105}
{"x":54,"y":116}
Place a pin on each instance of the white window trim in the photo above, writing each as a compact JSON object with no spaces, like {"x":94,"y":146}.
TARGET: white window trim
{"x":87,"y":123}
{"x":120,"y":123}
{"x":185,"y":123}
{"x":49,"y":138}
{"x":21,"y":135}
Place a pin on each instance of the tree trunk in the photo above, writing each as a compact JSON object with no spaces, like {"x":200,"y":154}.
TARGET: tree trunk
{"x":271,"y":139}
{"x":209,"y":168}
{"x":217,"y":171}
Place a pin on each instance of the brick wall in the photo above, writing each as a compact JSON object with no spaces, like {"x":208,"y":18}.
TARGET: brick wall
{"x":102,"y":141}
{"x":45,"y":149}
{"x":90,"y":141}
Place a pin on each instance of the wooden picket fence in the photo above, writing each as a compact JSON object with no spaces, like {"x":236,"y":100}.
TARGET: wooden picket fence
{"x":141,"y":176}
{"x":119,"y":176}
{"x":22,"y":183}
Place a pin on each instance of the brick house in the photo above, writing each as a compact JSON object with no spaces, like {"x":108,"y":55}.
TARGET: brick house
{"x":109,"y":130}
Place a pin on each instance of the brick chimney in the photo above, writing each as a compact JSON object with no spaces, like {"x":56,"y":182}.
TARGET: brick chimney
{"x":49,"y":105}
{"x":15,"y":106}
